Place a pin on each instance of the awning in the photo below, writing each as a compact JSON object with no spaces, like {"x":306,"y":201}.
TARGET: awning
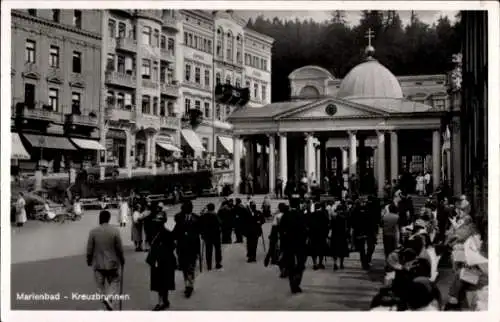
{"x":49,"y":142}
{"x":227,"y":143}
{"x":169,"y":147}
{"x":88,"y":144}
{"x":192,"y":139}
{"x":18,"y":151}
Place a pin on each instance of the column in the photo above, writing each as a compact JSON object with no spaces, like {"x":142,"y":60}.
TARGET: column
{"x":436,"y":158}
{"x":148,"y":149}
{"x":318,"y":165}
{"x":129,"y":148}
{"x":322,"y":160}
{"x":272,"y":164}
{"x":283,"y":159}
{"x":456,"y":157}
{"x":394,"y":156}
{"x":345,"y":159}
{"x":248,"y":156}
{"x":236,"y":164}
{"x":153,"y":153}
{"x":310,"y":154}
{"x":380,"y":163}
{"x":375,"y":163}
{"x":353,"y":159}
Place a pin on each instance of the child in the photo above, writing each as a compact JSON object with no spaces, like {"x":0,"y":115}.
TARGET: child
{"x":77,"y":208}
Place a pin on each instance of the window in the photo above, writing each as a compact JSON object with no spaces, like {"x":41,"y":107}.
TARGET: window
{"x":32,"y":12}
{"x":146,"y":104}
{"x":29,"y":95}
{"x":156,"y":38}
{"x":170,"y":76}
{"x":256,"y":91}
{"x":238,"y":57}
{"x":77,"y":62}
{"x":146,"y":69}
{"x":220,"y":40}
{"x":195,"y":41}
{"x":170,"y":109}
{"x":228,"y":110}
{"x":204,"y":143}
{"x":247,"y":59}
{"x":111,"y":28}
{"x":439,"y":104}
{"x":133,"y":32}
{"x":110,"y":64}
{"x":265,"y":65}
{"x":190,"y":40}
{"x":205,"y":44}
{"x":162,"y":106}
{"x":146,"y":35}
{"x":197,"y":76}
{"x":129,"y":65}
{"x":128,"y":101}
{"x":188,"y":73}
{"x":110,"y":98}
{"x":185,"y":38}
{"x":77,"y":18}
{"x":75,"y":103}
{"x":255,"y":62}
{"x":30,"y":51}
{"x":207,"y":78}
{"x":54,"y":99}
{"x":163,"y":42}
{"x":264,"y":92}
{"x":218,"y":112}
{"x":229,"y":49}
{"x":121,"y":64}
{"x":262,"y":63}
{"x":207,"y":110}
{"x":163,"y":73}
{"x":56,"y":15}
{"x":247,"y":84}
{"x":228,"y":79}
{"x":171,"y":45}
{"x":217,"y":79}
{"x":120,"y":101}
{"x":54,"y":57}
{"x":239,"y":49}
{"x":197,"y":105}
{"x":210,"y":46}
{"x":155,"y":71}
{"x":122,"y":30}
{"x":155,"y":106}
{"x":187,"y":105}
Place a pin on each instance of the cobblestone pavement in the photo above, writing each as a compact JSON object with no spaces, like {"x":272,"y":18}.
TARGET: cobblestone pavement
{"x":50,"y":258}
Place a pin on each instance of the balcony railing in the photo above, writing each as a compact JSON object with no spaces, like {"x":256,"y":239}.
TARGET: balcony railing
{"x":149,"y":84}
{"x":114,"y":113}
{"x":122,"y":79}
{"x":170,"y":89}
{"x":170,"y":21}
{"x":127,"y":44}
{"x":83,"y":119}
{"x":167,"y":54}
{"x":147,"y":121}
{"x":170,"y":122}
{"x":152,"y":14}
{"x":38,"y":113}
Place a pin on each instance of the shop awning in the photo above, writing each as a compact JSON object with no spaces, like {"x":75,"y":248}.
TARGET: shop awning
{"x":193,"y":140}
{"x":169,"y":147}
{"x":18,"y":151}
{"x":88,"y":144}
{"x":227,"y":143}
{"x":49,"y":142}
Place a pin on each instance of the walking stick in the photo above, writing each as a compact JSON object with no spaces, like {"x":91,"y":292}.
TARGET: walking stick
{"x":201,"y":255}
{"x":121,"y":288}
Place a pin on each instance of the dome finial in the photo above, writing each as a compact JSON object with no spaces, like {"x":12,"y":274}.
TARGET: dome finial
{"x":369,"y":50}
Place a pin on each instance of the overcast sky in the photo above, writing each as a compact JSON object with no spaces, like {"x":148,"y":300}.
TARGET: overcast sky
{"x":352,"y":17}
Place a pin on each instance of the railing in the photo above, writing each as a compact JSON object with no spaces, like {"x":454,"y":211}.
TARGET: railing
{"x":127,"y":44}
{"x":170,"y":122}
{"x":167,"y":54}
{"x":116,"y":114}
{"x":170,"y":89}
{"x":149,"y":84}
{"x":81,"y":119}
{"x":122,"y":79}
{"x":40,"y":114}
{"x":169,"y":21}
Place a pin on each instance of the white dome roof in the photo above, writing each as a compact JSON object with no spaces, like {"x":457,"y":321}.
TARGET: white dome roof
{"x":370,"y":79}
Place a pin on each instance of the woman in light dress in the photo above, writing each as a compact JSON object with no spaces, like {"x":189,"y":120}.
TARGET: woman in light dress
{"x":21,"y":217}
{"x":420,"y":188}
{"x":122,"y":212}
{"x":137,"y":227}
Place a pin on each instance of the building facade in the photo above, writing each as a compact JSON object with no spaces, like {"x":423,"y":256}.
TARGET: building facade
{"x":55,"y":79}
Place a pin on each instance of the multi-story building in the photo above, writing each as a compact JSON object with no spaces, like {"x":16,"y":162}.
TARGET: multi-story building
{"x":55,"y":74}
{"x":140,"y":86}
{"x":217,"y":49}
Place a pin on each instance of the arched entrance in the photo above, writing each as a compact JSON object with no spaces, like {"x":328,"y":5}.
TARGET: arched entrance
{"x":141,"y":141}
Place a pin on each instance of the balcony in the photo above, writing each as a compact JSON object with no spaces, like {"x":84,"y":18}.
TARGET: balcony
{"x":126,"y":44}
{"x":87,"y":119}
{"x":121,"y":79}
{"x":41,"y":114}
{"x":168,"y":55}
{"x":170,"y":22}
{"x":170,"y":122}
{"x":149,"y":14}
{"x":147,"y":83}
{"x":147,"y":121}
{"x":171,"y":89}
{"x":120,"y":115}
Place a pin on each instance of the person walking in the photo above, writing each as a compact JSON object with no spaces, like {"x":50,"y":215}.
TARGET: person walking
{"x":293,"y":242}
{"x":339,"y":240}
{"x":162,"y":262}
{"x":21,"y":217}
{"x":226,"y":222}
{"x":390,"y":229}
{"x":239,"y":214}
{"x":266,"y":207}
{"x":361,"y":230}
{"x":148,"y":213}
{"x":318,"y":234}
{"x":187,"y":235}
{"x":122,"y":212}
{"x":253,"y":230}
{"x":279,"y":188}
{"x":211,"y":233}
{"x":273,"y":255}
{"x":105,"y":256}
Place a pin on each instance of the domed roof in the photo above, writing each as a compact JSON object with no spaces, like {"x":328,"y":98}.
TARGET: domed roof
{"x":370,"y":79}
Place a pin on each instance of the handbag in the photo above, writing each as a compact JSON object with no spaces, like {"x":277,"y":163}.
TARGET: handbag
{"x":470,"y":275}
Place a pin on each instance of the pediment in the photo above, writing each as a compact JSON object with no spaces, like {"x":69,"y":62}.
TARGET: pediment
{"x":77,"y":84}
{"x":332,"y":108}
{"x":54,"y":80}
{"x":31,"y":75}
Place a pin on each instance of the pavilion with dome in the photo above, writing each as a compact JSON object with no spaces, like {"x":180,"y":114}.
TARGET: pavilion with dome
{"x":361,"y":125}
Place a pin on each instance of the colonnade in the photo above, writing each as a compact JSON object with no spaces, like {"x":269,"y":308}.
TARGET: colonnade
{"x":315,"y":157}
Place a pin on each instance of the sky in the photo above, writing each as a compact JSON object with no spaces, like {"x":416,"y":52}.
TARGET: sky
{"x":352,"y":17}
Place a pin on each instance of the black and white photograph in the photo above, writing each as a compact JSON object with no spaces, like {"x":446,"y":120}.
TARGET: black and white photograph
{"x":220,"y":159}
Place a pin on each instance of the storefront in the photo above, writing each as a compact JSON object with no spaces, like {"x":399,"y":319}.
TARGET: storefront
{"x":116,"y":144}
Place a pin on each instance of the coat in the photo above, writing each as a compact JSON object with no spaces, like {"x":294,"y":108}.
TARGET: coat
{"x":318,"y":228}
{"x":104,"y":248}
{"x":137,"y":227}
{"x":162,"y":262}
{"x":123,"y":212}
{"x":253,"y":223}
{"x":339,"y":240}
{"x":187,"y":234}
{"x":210,"y":226}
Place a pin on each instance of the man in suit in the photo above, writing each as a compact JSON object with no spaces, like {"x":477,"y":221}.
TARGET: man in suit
{"x":105,"y":255}
{"x":187,"y":234}
{"x":254,"y":220}
{"x":210,"y":224}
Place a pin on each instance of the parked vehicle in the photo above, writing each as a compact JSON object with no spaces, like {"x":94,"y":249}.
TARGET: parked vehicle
{"x":93,"y":173}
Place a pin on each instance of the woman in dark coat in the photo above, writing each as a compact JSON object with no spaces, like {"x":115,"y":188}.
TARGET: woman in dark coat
{"x":339,"y":244}
{"x":318,"y":235}
{"x":149,"y":213}
{"x":162,"y":261}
